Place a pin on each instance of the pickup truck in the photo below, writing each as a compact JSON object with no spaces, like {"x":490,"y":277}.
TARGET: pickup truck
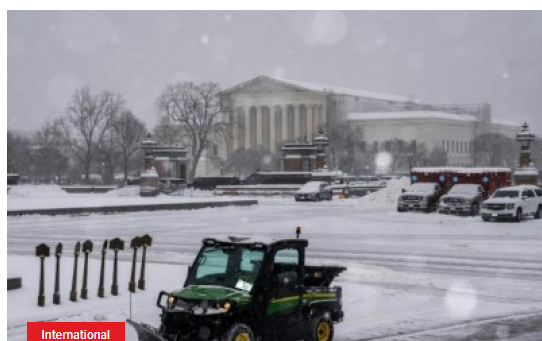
{"x":247,"y":289}
{"x":514,"y":202}
{"x":420,"y":196}
{"x":462,"y":199}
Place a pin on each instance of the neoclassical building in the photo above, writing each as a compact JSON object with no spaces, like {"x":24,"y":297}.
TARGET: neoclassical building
{"x":272,"y":112}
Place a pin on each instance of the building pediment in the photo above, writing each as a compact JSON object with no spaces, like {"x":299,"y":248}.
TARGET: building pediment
{"x":265,"y":85}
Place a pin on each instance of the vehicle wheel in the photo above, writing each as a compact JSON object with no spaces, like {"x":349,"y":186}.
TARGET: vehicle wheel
{"x":321,"y":329}
{"x":475,"y":209}
{"x":485,"y":218}
{"x":330,"y":197}
{"x":517,"y":218}
{"x":400,"y":209}
{"x":238,"y":332}
{"x":317,"y":198}
{"x":538,"y":213}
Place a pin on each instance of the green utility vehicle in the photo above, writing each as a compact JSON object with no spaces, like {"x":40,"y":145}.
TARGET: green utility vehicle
{"x":248,"y":289}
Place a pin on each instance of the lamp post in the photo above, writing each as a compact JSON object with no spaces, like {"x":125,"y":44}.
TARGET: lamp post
{"x":525,"y":173}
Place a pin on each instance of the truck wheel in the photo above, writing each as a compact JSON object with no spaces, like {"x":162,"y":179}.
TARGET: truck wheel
{"x":321,"y":329}
{"x":475,"y":209}
{"x":538,"y":213}
{"x":238,"y":332}
{"x":517,"y":218}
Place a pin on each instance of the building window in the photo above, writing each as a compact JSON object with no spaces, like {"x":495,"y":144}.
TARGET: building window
{"x":172,"y":169}
{"x":375,"y":146}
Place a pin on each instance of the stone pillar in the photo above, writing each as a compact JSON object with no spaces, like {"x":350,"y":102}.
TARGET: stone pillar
{"x":297,"y":132}
{"x":235,"y":144}
{"x":310,"y":129}
{"x":247,"y":127}
{"x":284,"y":123}
{"x":259,"y":132}
{"x":272,"y":135}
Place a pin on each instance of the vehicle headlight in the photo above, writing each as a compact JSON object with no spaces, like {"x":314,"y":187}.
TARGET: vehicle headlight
{"x":510,"y":206}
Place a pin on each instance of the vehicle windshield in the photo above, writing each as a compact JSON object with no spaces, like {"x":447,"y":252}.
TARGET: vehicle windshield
{"x":421,"y":187}
{"x":464,"y":189}
{"x":506,"y":194}
{"x":234,"y":266}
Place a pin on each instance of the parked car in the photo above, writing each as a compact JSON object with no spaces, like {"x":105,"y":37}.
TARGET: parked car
{"x":514,"y":202}
{"x":420,"y":196}
{"x":314,"y":190}
{"x":462,"y":199}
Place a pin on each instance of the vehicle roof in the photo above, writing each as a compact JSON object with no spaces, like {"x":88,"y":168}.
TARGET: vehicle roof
{"x":519,"y":187}
{"x":465,"y":188}
{"x":251,"y":240}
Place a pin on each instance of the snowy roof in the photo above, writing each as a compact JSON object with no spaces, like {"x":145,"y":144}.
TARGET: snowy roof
{"x":462,"y":170}
{"x":308,"y":86}
{"x":398,"y":115}
{"x":346,"y":91}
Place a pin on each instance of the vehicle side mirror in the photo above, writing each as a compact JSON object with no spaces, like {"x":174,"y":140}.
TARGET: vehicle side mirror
{"x":403,"y":190}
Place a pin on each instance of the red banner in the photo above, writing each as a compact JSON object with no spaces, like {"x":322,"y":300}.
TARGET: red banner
{"x":75,"y":331}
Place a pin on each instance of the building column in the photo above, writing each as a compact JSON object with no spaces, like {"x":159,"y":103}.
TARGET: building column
{"x":258,"y":126}
{"x":284,"y":123}
{"x":247,"y":127}
{"x":310,"y":130}
{"x":272,"y":137}
{"x":235,"y":134}
{"x":297,"y":128}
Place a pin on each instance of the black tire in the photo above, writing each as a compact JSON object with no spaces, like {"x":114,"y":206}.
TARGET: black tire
{"x":485,"y":218}
{"x":538,"y":213}
{"x":517,"y":218}
{"x":238,"y":332}
{"x":321,"y":329}
{"x":474,"y":210}
{"x":317,"y":198}
{"x":330,"y":197}
{"x":400,"y":209}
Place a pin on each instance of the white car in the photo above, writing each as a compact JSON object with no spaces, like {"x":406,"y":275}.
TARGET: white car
{"x":513,"y":202}
{"x":314,"y":190}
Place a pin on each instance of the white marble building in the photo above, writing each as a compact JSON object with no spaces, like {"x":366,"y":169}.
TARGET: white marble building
{"x":272,"y":112}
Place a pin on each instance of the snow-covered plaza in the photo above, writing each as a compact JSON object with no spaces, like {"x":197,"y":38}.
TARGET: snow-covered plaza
{"x":411,"y":276}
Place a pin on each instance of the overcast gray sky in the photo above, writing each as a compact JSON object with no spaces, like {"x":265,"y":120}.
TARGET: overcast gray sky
{"x":435,"y":56}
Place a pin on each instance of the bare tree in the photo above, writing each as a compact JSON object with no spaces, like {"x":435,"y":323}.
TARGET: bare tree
{"x":438,"y":157}
{"x":168,"y":132}
{"x":198,"y":112}
{"x":243,"y":162}
{"x":345,"y":147}
{"x":494,"y":150}
{"x":128,"y":132}
{"x":86,"y":122}
{"x":49,"y":155}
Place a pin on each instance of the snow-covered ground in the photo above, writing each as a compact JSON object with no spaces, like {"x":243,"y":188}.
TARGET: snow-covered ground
{"x":411,"y":276}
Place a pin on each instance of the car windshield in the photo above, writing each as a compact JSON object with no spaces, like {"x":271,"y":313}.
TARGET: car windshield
{"x":506,"y":194}
{"x":421,"y":187}
{"x":464,"y":189}
{"x":234,"y":266}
